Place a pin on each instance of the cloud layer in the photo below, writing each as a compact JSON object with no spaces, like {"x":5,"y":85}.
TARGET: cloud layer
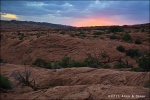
{"x":9,"y":16}
{"x":78,"y":13}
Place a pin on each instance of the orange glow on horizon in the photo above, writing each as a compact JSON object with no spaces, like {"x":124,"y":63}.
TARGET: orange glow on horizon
{"x":94,"y":22}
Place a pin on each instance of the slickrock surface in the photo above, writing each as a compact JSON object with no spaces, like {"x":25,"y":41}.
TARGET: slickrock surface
{"x":78,"y":84}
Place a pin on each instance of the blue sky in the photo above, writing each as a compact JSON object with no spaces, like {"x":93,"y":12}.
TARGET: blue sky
{"x":77,"y":12}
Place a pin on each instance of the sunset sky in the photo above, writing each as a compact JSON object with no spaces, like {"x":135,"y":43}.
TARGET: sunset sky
{"x":77,"y":12}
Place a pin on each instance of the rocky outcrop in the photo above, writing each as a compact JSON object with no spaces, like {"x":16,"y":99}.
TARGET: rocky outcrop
{"x":79,"y":84}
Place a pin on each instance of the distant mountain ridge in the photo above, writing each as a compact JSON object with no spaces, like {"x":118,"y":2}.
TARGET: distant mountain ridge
{"x":25,"y":23}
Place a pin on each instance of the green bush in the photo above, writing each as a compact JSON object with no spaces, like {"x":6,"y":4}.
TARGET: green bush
{"x":82,"y":35}
{"x":42,"y":33}
{"x":41,"y":63}
{"x":5,"y":83}
{"x":98,"y":33}
{"x":116,"y":29}
{"x":137,"y":41}
{"x":143,"y":30}
{"x":127,"y":37}
{"x":72,"y":35}
{"x":77,"y":34}
{"x":105,"y":66}
{"x":119,"y":65}
{"x":113,"y":37}
{"x":67,"y":62}
{"x":95,"y":36}
{"x":1,"y":61}
{"x":38,"y":35}
{"x":120,"y":48}
{"x":62,"y":32}
{"x":77,"y":64}
{"x":107,"y":32}
{"x":144,"y":63}
{"x":136,"y":69}
{"x":92,"y":61}
{"x":147,"y":85}
{"x":20,"y":33}
{"x":81,"y":32}
{"x":21,"y":36}
{"x":133,"y":53}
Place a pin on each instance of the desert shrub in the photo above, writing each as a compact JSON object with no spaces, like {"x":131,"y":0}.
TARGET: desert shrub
{"x":136,"y":69}
{"x":105,"y":66}
{"x":62,"y":32}
{"x":95,"y":36}
{"x":124,"y":62}
{"x":20,"y":33}
{"x":72,"y":35}
{"x":21,"y":36}
{"x":113,"y":37}
{"x":133,"y":53}
{"x":107,"y":32}
{"x":119,"y":65}
{"x":127,"y":37}
{"x":98,"y":33}
{"x":38,"y":35}
{"x":82,"y":35}
{"x":144,"y":63}
{"x":1,"y":61}
{"x":77,"y":64}
{"x":147,"y":84}
{"x":120,"y":48}
{"x":143,"y":30}
{"x":41,"y":63}
{"x":67,"y":62}
{"x":137,"y":41}
{"x":24,"y":78}
{"x":102,"y":38}
{"x":129,"y":31}
{"x":116,"y":29}
{"x":56,"y":65}
{"x":5,"y":83}
{"x":92,"y":61}
{"x":104,"y":57}
{"x":42,"y":33}
{"x":77,"y":34}
{"x":81,"y":32}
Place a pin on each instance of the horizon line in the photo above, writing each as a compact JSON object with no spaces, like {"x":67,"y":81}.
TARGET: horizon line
{"x":75,"y":26}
